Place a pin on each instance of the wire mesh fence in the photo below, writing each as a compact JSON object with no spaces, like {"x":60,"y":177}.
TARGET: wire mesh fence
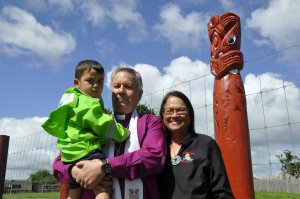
{"x":273,"y":108}
{"x":274,"y":123}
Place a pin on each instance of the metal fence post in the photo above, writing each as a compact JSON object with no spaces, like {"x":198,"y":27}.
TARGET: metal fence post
{"x":4,"y":142}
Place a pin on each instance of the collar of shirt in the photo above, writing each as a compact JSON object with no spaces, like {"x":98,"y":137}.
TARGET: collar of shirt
{"x":123,"y":119}
{"x":186,"y":141}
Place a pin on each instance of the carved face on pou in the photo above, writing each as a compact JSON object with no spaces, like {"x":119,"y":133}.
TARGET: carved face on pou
{"x":224,"y":32}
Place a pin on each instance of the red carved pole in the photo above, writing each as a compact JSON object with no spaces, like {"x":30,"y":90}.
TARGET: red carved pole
{"x":230,"y":111}
{"x":64,"y":191}
{"x":4,"y":143}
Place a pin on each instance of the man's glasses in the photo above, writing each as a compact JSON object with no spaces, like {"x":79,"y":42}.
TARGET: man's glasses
{"x":179,"y":111}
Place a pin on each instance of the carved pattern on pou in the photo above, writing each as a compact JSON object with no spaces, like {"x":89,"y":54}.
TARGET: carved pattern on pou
{"x":224,"y":32}
{"x":225,"y":36}
{"x":229,"y":102}
{"x":231,"y":99}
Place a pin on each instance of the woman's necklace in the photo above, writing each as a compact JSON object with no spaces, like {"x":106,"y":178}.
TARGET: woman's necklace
{"x":176,"y":158}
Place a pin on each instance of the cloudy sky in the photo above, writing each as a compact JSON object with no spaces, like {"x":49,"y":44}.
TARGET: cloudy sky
{"x":42,"y":41}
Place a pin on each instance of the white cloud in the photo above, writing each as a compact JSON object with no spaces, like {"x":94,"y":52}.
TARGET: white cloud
{"x":16,"y":128}
{"x":276,"y":111}
{"x":20,"y":31}
{"x":177,"y":72}
{"x":13,"y":51}
{"x":181,"y":69}
{"x":125,"y":15}
{"x":94,"y":12}
{"x":273,"y":111}
{"x":187,"y":76}
{"x":273,"y":106}
{"x":30,"y":148}
{"x":183,"y":32}
{"x":227,"y":4}
{"x":278,"y":23}
{"x":231,"y":6}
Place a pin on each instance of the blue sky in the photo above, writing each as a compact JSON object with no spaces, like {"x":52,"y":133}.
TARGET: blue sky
{"x":166,"y":41}
{"x":42,"y":41}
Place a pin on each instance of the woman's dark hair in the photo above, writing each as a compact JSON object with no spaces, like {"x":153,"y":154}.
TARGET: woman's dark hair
{"x":187,"y":102}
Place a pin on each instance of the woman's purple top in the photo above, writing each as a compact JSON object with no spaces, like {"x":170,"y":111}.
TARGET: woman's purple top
{"x":144,"y":163}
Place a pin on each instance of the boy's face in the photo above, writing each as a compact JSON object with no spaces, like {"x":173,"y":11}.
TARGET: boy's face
{"x":91,"y":83}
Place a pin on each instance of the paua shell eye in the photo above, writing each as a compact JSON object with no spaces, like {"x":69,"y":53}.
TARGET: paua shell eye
{"x":231,"y":39}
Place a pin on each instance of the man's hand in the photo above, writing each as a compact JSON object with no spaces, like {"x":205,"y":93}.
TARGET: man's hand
{"x":75,"y":170}
{"x":88,"y":173}
{"x":104,"y":186}
{"x":106,"y":181}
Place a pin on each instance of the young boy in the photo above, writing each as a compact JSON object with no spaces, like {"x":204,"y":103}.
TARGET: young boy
{"x":80,"y":123}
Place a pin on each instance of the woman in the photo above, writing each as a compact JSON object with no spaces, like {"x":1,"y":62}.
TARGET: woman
{"x":194,"y":167}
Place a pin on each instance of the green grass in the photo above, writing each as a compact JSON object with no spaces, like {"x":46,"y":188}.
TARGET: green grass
{"x":55,"y":195}
{"x":276,"y":195}
{"x":32,"y":195}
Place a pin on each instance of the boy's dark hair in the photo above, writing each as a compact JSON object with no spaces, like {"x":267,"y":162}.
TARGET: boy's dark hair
{"x":88,"y":65}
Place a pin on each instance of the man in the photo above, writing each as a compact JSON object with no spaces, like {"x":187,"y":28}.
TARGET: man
{"x":145,"y":150}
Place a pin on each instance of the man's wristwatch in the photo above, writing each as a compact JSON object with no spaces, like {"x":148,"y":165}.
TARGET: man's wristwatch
{"x":106,"y":167}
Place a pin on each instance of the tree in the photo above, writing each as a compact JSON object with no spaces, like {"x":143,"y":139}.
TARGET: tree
{"x":41,"y":176}
{"x":144,"y":108}
{"x":290,"y":164}
{"x":141,"y":108}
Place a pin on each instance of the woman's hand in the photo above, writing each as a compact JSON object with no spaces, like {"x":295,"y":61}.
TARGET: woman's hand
{"x":87,"y":173}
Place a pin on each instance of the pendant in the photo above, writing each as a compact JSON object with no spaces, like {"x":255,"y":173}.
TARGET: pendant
{"x":176,"y":160}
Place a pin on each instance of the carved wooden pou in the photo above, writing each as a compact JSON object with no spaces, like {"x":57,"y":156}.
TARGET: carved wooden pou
{"x":229,"y":105}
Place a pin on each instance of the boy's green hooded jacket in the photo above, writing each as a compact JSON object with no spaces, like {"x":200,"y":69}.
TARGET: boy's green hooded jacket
{"x":81,"y":125}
